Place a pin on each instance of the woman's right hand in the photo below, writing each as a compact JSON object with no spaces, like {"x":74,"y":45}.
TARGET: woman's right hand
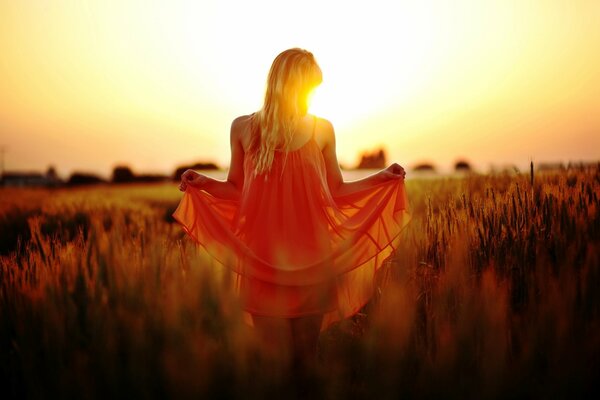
{"x":190,"y":177}
{"x":394,"y":171}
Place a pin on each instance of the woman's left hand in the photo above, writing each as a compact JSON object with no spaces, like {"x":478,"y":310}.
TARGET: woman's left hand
{"x":394,"y":171}
{"x":192,"y":178}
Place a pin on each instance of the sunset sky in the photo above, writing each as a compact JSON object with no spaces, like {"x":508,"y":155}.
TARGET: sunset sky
{"x":86,"y":85}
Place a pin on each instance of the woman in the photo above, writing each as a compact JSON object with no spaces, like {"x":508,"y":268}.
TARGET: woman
{"x":304,"y":244}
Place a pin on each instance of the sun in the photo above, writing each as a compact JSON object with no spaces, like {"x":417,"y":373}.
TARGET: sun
{"x":358,"y":88}
{"x":323,"y":102}
{"x":346,"y":98}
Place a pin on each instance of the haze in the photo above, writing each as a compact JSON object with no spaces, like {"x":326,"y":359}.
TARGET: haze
{"x":154,"y":85}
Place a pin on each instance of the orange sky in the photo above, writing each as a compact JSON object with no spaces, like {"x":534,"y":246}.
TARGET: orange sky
{"x":87,"y":85}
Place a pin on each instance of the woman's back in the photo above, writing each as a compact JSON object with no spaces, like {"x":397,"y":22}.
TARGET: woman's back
{"x":283,"y":212}
{"x":308,"y":127}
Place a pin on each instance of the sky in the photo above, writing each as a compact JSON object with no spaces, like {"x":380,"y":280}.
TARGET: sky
{"x":88,"y":85}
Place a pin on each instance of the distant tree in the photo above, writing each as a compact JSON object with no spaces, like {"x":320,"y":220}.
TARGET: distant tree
{"x":462,"y":166}
{"x":82,"y":178}
{"x":52,"y":177}
{"x":122,"y":174}
{"x":424,"y":167}
{"x":376,"y":159}
{"x":51,"y":173}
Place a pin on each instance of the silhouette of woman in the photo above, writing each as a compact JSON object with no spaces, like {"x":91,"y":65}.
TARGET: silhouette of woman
{"x":304,"y":245}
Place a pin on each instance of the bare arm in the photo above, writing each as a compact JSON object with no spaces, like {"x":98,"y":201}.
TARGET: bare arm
{"x":336,"y":183}
{"x":229,"y":189}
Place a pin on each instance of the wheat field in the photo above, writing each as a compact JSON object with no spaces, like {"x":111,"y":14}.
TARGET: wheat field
{"x":493,"y":293}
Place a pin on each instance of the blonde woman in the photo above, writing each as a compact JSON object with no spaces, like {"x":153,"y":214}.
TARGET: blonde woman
{"x":304,"y":245}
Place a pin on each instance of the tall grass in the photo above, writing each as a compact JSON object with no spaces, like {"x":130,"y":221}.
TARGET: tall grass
{"x":493,"y":293}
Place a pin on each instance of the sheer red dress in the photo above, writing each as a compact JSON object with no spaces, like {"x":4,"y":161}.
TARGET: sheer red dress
{"x":295,"y":249}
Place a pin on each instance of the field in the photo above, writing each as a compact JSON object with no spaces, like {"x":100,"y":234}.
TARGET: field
{"x":494,"y":293}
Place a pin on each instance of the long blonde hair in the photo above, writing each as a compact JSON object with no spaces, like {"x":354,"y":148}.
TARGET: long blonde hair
{"x":293,"y":75}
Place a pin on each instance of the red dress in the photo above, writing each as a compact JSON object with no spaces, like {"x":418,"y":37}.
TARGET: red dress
{"x":295,"y":249}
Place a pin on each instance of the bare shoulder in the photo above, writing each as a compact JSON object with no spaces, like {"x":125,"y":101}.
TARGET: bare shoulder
{"x":241,"y":122}
{"x":324,"y":132}
{"x":240,"y":128}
